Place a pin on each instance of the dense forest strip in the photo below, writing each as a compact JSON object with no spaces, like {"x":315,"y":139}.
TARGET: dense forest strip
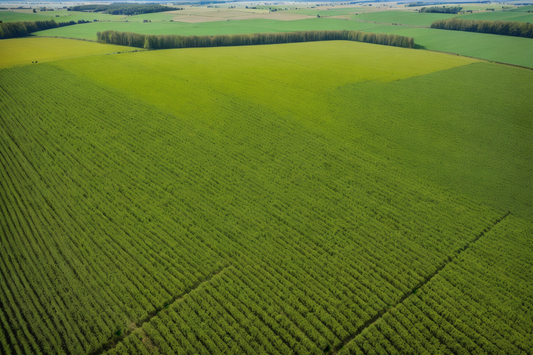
{"x":121,"y":336}
{"x":451,"y":258}
{"x":506,"y":28}
{"x":177,"y":41}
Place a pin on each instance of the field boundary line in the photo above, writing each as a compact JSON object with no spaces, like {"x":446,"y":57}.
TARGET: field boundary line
{"x":115,"y":340}
{"x":449,"y":260}
{"x":485,"y":60}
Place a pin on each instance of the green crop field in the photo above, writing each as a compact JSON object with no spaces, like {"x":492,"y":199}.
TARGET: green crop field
{"x":482,"y":7}
{"x":64,"y":16}
{"x":458,"y":313}
{"x":23,"y":51}
{"x":499,"y":16}
{"x":156,"y":16}
{"x":88,"y":31}
{"x":308,"y":198}
{"x":332,"y":11}
{"x":506,"y":49}
{"x":526,"y":8}
{"x":12,"y":16}
{"x":513,"y":50}
{"x":402,"y":17}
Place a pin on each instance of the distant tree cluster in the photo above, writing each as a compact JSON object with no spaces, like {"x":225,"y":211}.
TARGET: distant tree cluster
{"x":200,"y":2}
{"x":124,"y":9}
{"x":91,"y":8}
{"x":506,"y":28}
{"x":176,"y":41}
{"x":21,"y":29}
{"x":442,"y":10}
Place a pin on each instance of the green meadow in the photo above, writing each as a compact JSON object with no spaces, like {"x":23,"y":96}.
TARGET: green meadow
{"x":506,"y":49}
{"x":401,"y":17}
{"x":12,"y":16}
{"x":451,"y":160}
{"x":513,"y":50}
{"x":308,"y":198}
{"x":332,"y":11}
{"x":23,"y":51}
{"x":499,"y":16}
{"x":64,"y":16}
{"x":88,"y":31}
{"x":157,"y":16}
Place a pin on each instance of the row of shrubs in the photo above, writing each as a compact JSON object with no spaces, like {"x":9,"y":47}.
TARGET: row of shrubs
{"x":177,"y":41}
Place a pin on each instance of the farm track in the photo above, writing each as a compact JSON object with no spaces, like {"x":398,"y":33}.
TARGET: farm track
{"x":116,"y":340}
{"x":451,"y":258}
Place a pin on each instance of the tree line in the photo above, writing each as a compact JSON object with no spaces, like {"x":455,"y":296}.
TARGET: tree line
{"x":24,"y":28}
{"x":506,"y":28}
{"x":124,"y":9}
{"x":176,"y":41}
{"x":441,"y":10}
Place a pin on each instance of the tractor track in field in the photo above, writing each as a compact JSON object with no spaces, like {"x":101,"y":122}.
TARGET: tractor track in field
{"x":115,"y":340}
{"x":450,"y":259}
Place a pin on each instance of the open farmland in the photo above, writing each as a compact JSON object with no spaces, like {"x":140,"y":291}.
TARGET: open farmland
{"x":64,"y":16}
{"x":12,"y":16}
{"x":401,"y":17}
{"x":307,"y":198}
{"x":513,"y":50}
{"x":23,"y":51}
{"x":499,"y":16}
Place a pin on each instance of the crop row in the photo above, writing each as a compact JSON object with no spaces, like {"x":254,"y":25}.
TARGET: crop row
{"x":475,"y":305}
{"x":112,"y":209}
